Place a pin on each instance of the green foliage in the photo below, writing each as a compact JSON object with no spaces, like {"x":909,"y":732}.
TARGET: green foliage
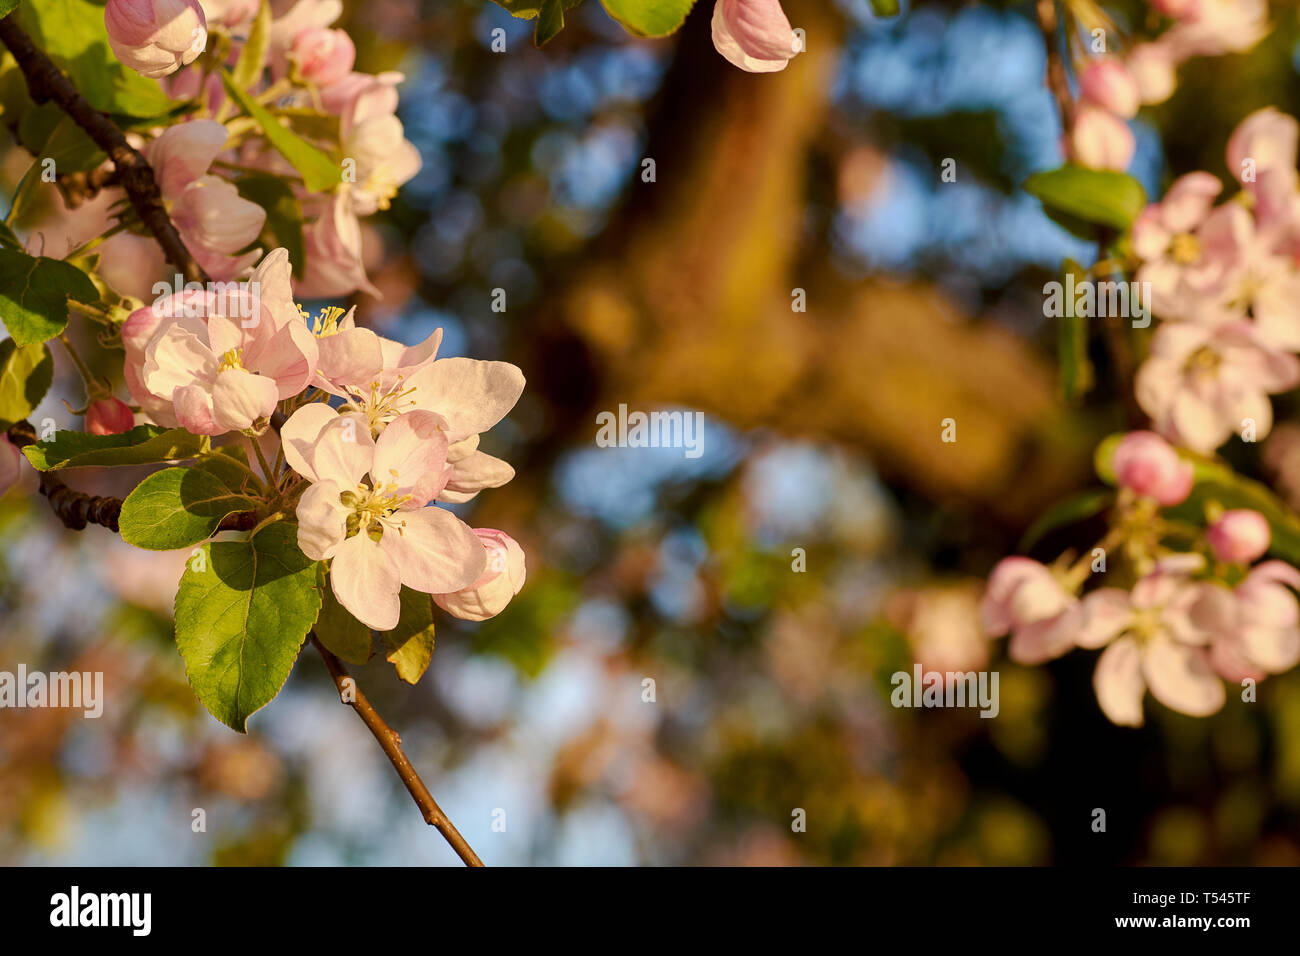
{"x":1216,"y":483}
{"x":320,"y":174}
{"x":177,"y":507}
{"x":72,"y":32}
{"x":26,"y":373}
{"x":283,"y":214}
{"x":341,"y":633}
{"x":34,"y":294}
{"x":252,"y":58}
{"x":242,"y":614}
{"x":649,"y":18}
{"x":1068,"y":512}
{"x":1082,"y":199}
{"x":7,"y":6}
{"x":410,"y":644}
{"x":142,"y":445}
{"x":885,"y":8}
{"x":7,"y":237}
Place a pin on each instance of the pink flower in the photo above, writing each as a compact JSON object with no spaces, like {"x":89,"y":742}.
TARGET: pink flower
{"x":1240,"y":536}
{"x":371,"y":135}
{"x":1202,"y":383}
{"x":11,"y":460}
{"x":109,"y":416}
{"x":334,"y":266}
{"x":365,"y":513}
{"x":1262,"y":156}
{"x":1026,"y":599}
{"x":1155,"y":637}
{"x":1216,"y":27}
{"x":1264,"y":637}
{"x":323,"y":56}
{"x":754,"y":34}
{"x":1150,"y":466}
{"x":1106,"y":83}
{"x":1178,"y":265}
{"x":1257,"y":276}
{"x":1101,"y":139}
{"x":500,"y":581}
{"x":212,"y":218}
{"x":1153,"y":69}
{"x":155,"y":37}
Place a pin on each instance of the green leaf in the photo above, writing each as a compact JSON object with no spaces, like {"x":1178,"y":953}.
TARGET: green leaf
{"x":283,"y":214}
{"x":1072,"y":345}
{"x":26,"y":373}
{"x":252,"y":58}
{"x":410,"y":644}
{"x":72,"y":32}
{"x":6,"y":6}
{"x":177,"y":507}
{"x":7,"y":237}
{"x":884,"y":8}
{"x":142,"y":445}
{"x":340,"y":632}
{"x":320,"y":174}
{"x":649,"y":18}
{"x":1100,"y":197}
{"x":34,"y":295}
{"x":1071,"y":510}
{"x":550,"y":21}
{"x":242,"y":617}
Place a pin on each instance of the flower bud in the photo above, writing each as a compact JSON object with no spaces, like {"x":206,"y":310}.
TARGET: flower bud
{"x":1106,"y":83}
{"x":1153,"y":70}
{"x":109,"y":416}
{"x":156,"y":37}
{"x":754,"y":34}
{"x":502,"y":579}
{"x":1239,"y":536}
{"x":1150,"y":466}
{"x":1101,"y":139}
{"x":323,"y":56}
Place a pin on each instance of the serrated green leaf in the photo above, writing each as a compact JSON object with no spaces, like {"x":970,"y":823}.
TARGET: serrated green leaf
{"x":283,"y":214}
{"x":252,"y":58}
{"x":34,"y":294}
{"x":26,"y":374}
{"x":410,"y":644}
{"x":649,"y":18}
{"x":142,"y":445}
{"x":341,"y":633}
{"x":177,"y":507}
{"x":1101,"y":197}
{"x":242,"y":619}
{"x":73,"y":34}
{"x":320,"y":174}
{"x":1067,"y":512}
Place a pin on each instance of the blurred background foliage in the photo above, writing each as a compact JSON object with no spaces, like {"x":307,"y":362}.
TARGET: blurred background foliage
{"x":771,"y":685}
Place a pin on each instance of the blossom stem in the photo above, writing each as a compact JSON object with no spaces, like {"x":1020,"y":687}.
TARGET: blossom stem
{"x":392,"y":747}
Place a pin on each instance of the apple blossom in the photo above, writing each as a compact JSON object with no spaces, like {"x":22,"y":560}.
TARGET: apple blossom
{"x":1266,"y":631}
{"x":366,"y":513}
{"x":1105,"y":82}
{"x":1101,"y":139}
{"x":1215,"y":27}
{"x":1239,"y":536}
{"x":1150,"y":466}
{"x":1202,"y":383}
{"x":1261,"y":154}
{"x":332,"y":244}
{"x":1165,"y":236}
{"x":323,"y":56}
{"x":1028,"y":600}
{"x":500,"y":581}
{"x":754,"y":34}
{"x":1154,"y":71}
{"x":155,"y":37}
{"x":1155,"y":637}
{"x":109,"y":416}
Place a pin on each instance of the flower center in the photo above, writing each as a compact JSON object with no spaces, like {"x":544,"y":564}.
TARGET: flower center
{"x":372,"y":508}
{"x":1185,"y":249}
{"x":379,"y":405}
{"x":230,"y":360}
{"x":326,"y":322}
{"x":1203,"y":363}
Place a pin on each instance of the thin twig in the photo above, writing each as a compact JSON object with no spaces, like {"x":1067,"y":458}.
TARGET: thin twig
{"x":1058,"y":81}
{"x":46,"y":83}
{"x":392,"y":745}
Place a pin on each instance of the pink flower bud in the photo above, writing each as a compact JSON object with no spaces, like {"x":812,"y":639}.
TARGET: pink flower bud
{"x":754,"y":34}
{"x":1150,"y":466}
{"x":109,"y":416}
{"x":11,"y":460}
{"x":156,"y":37}
{"x":1178,"y":9}
{"x":1106,"y":83}
{"x":1239,"y":536}
{"x":323,"y":56}
{"x":489,"y":595}
{"x":1101,"y":139}
{"x":1153,"y":70}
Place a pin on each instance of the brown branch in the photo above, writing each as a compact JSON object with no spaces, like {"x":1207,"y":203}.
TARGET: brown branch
{"x":47,"y":83}
{"x":1058,"y":81}
{"x":392,"y":745}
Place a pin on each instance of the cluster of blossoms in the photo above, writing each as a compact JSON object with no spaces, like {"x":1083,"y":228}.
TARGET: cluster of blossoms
{"x":309,"y":69}
{"x":376,"y":432}
{"x":1112,"y":87}
{"x":1193,"y":617}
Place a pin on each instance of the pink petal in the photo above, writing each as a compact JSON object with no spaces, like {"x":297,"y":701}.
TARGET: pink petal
{"x":322,"y":520}
{"x":366,"y":582}
{"x":1118,"y":683}
{"x":472,"y":395}
{"x":240,"y":398}
{"x":300,"y":432}
{"x":1180,"y":677}
{"x":344,"y":451}
{"x":434,"y":550}
{"x":412,"y":446}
